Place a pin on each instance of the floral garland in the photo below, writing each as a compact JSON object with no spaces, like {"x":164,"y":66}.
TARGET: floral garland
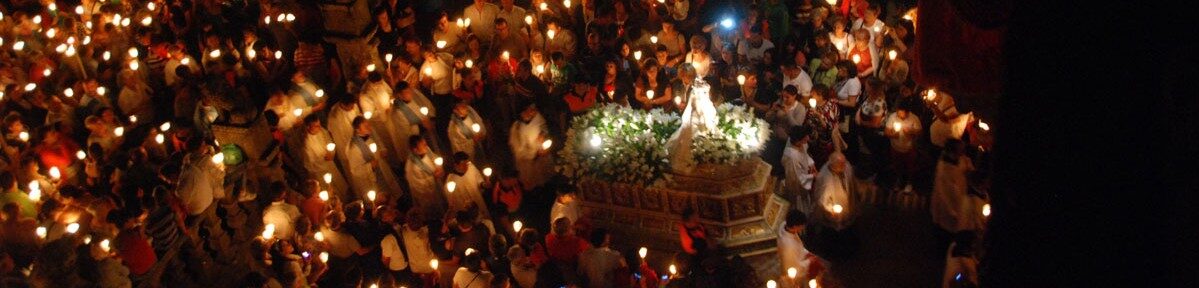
{"x":622,"y":144}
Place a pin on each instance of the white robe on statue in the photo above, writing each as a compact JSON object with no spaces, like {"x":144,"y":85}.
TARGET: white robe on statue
{"x":468,"y":189}
{"x":834,"y":189}
{"x":367,"y":177}
{"x":461,"y":133}
{"x":316,"y":163}
{"x":525,"y":140}
{"x":699,"y":116}
{"x":951,"y":205}
{"x":406,"y":118}
{"x":426,"y":190}
{"x":792,"y":253}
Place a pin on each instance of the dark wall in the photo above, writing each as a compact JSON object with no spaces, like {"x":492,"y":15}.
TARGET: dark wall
{"x":1096,"y":150}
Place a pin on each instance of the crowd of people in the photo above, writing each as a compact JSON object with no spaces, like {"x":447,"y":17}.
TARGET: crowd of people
{"x":243,"y":143}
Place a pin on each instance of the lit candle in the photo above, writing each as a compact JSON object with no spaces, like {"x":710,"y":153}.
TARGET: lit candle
{"x":672,"y":269}
{"x":433,"y":263}
{"x":133,"y":65}
{"x":545,"y":145}
{"x":544,"y":6}
{"x":72,"y":227}
{"x":677,"y":100}
{"x":266,"y":19}
{"x":119,"y":131}
{"x":108,"y":55}
{"x":649,"y":94}
{"x":740,"y":79}
{"x":280,"y":17}
{"x":159,"y":138}
{"x":637,"y":55}
{"x":278,"y":55}
{"x":320,"y":93}
{"x":388,"y":57}
{"x":837,"y":208}
{"x":133,"y":119}
{"x":218,"y":158}
{"x":984,"y":125}
{"x":324,"y":195}
{"x":986,"y":210}
{"x":324,"y":256}
{"x":642,"y":252}
{"x":268,"y":232}
{"x":371,"y":195}
{"x":812,"y":283}
{"x":653,"y":39}
{"x":595,"y":141}
{"x":68,"y":92}
{"x":812,"y":102}
{"x":106,"y":245}
{"x":35,"y":195}
{"x":41,"y":232}
{"x":166,"y":126}
{"x":328,"y":177}
{"x":440,"y":44}
{"x":54,"y":173}
{"x":18,"y":46}
{"x":505,"y":55}
{"x":79,"y":9}
{"x":930,"y":95}
{"x":429,"y":71}
{"x":185,"y":61}
{"x":550,"y":33}
{"x":214,"y":53}
{"x":250,"y":53}
{"x":540,"y":70}
{"x":291,"y":17}
{"x":29,"y":87}
{"x":857,"y":59}
{"x":125,"y":22}
{"x":101,"y":90}
{"x":792,"y":273}
{"x":330,"y":147}
{"x":771,"y":284}
{"x":80,"y":155}
{"x":151,"y":6}
{"x":476,"y":128}
{"x":368,"y":115}
{"x":529,"y":19}
{"x":469,"y":63}
{"x":146,"y":21}
{"x":516,"y":225}
{"x":566,"y":3}
{"x":450,"y":186}
{"x":424,"y":111}
{"x":897,"y":126}
{"x":892,"y":54}
{"x":373,"y":147}
{"x":370,"y":68}
{"x":438,"y":161}
{"x":24,"y":136}
{"x":46,"y":72}
{"x":461,"y":23}
{"x":487,"y":171}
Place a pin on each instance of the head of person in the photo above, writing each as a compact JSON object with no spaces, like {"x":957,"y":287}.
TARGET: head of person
{"x":581,"y":86}
{"x":661,"y":53}
{"x":501,"y":28}
{"x":795,"y":222}
{"x":402,"y":92}
{"x":871,"y":14}
{"x":278,"y":191}
{"x":801,"y":59}
{"x":698,"y":44}
{"x":837,"y":163}
{"x":561,"y":226}
{"x":839,"y":24}
{"x":361,"y":126}
{"x":418,"y":145}
{"x":902,"y":112}
{"x":846,"y":70}
{"x":600,"y":237}
{"x":465,"y":220}
{"x":755,"y":36}
{"x":415,"y":218}
{"x":312,"y":124}
{"x":611,"y":68}
{"x":790,"y":95}
{"x":473,"y":262}
{"x":529,"y":112}
{"x":668,"y":26}
{"x":861,"y":33}
{"x":461,"y":162}
{"x":791,"y":70}
{"x":799,"y":135}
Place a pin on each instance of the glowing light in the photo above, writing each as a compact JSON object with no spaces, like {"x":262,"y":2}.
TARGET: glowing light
{"x":119,"y":131}
{"x":475,"y":128}
{"x":278,"y":55}
{"x":107,"y":55}
{"x":18,"y":46}
{"x":125,"y":22}
{"x":440,"y":44}
{"x":986,"y":210}
{"x":218,"y":158}
{"x":330,"y":147}
{"x":831,"y":2}
{"x":35,"y":186}
{"x":540,"y":70}
{"x":133,"y":65}
{"x":324,"y":195}
{"x":812,"y":283}
{"x":166,"y":126}
{"x":80,"y":155}
{"x":70,"y":51}
{"x":291,"y":17}
{"x":545,"y":145}
{"x":370,"y":68}
{"x":250,"y":53}
{"x":897,"y":126}
{"x":637,"y":55}
{"x":268,"y":232}
{"x":147,"y":21}
{"x":837,"y":208}
{"x":892,"y":54}
{"x":930,"y":95}
{"x":371,"y":195}
{"x":984,"y":125}
{"x":79,"y":9}
{"x":429,"y":71}
{"x":727,"y":23}
{"x":677,"y":100}
{"x":460,"y":23}
{"x":54,"y":173}
{"x":469,"y":251}
{"x":516,"y":225}
{"x":41,"y":232}
{"x":388,"y":57}
{"x":328,"y":177}
{"x":740,"y":79}
{"x":30,"y":87}
{"x":46,"y":72}
{"x":505,"y":55}
{"x":101,"y":90}
{"x":642,"y":252}
{"x":61,"y":48}
{"x":857,"y":58}
{"x":35,"y":195}
{"x":433,"y":263}
{"x":320,"y":93}
{"x":52,"y":6}
{"x":529,"y":19}
{"x":450,"y":186}
{"x":438,"y":161}
{"x":72,"y":227}
{"x":550,"y":33}
{"x":280,"y":17}
{"x":106,"y":245}
{"x":159,"y":138}
{"x":37,"y":19}
{"x":373,"y":147}
{"x":566,"y":3}
{"x":487,"y":171}
{"x":771,"y":284}
{"x":649,"y":94}
{"x":653,"y":39}
{"x":297,"y":112}
{"x":812,"y":102}
{"x":672,"y":269}
{"x":424,"y":111}
{"x":151,"y":6}
{"x":324,"y":256}
{"x":544,"y":6}
{"x":792,"y":273}
{"x":214,"y":53}
{"x":24,"y":136}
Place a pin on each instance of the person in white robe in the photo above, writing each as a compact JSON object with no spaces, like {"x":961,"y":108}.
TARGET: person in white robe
{"x":799,"y":167}
{"x":526,"y":139}
{"x":565,"y":206}
{"x":367,"y":171}
{"x":375,"y":101}
{"x":833,"y":187}
{"x":792,"y":253}
{"x":423,"y":174}
{"x":290,"y":112}
{"x":468,"y":186}
{"x":951,"y":207}
{"x":305,"y":91}
{"x":319,"y":152}
{"x":466,"y":131}
{"x":341,"y":118}
{"x":411,"y":112}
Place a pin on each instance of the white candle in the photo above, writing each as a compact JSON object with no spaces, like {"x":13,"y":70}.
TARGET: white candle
{"x":424,"y":111}
{"x":41,"y":232}
{"x":119,"y":131}
{"x":544,"y":6}
{"x":450,"y":186}
{"x":740,"y":79}
{"x":106,"y":245}
{"x":637,"y":55}
{"x":320,"y":93}
{"x":72,"y":227}
{"x":373,"y":147}
{"x":368,"y":115}
{"x":545,"y":145}
{"x":250,"y":53}
{"x":146,"y":21}
{"x":529,"y":19}
{"x":80,"y":154}
{"x":433,"y":263}
{"x":566,"y":3}
{"x":649,"y":94}
{"x":214,"y":53}
{"x":371,"y":195}
{"x":133,"y":65}
{"x":108,"y":55}
{"x":133,"y":119}
{"x":550,"y":33}
{"x":505,"y":55}
{"x":837,"y":208}
{"x":324,"y":256}
{"x":672,"y":269}
{"x":812,"y":102}
{"x":278,"y":55}
{"x":595,"y":141}
{"x":653,"y":39}
{"x":487,"y":171}
{"x":771,"y":284}
{"x":984,"y":125}
{"x":642,"y":252}
{"x":475,"y":128}
{"x":166,"y":126}
{"x":268,"y":232}
{"x":897,"y":126}
{"x":370,"y":68}
{"x":469,"y":63}
{"x":218,"y":158}
{"x":24,"y":136}
{"x":297,"y":112}
{"x":159,"y":138}
{"x":438,"y":161}
{"x":792,"y":273}
{"x":812,"y":283}
{"x":18,"y":46}
{"x":440,"y":44}
{"x":857,"y":59}
{"x":68,"y":92}
{"x":54,"y":173}
{"x":891,"y":55}
{"x":388,"y":57}
{"x":986,"y":210}
{"x":324,"y":195}
{"x":30,"y":87}
{"x":101,"y":90}
{"x":328,"y":177}
{"x":185,"y":61}
{"x":516,"y":225}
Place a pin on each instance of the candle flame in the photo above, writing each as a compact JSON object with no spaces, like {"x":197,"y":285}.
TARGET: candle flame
{"x":424,"y":111}
{"x":324,"y":195}
{"x":433,"y":263}
{"x":54,"y":173}
{"x":41,"y":232}
{"x":740,"y":79}
{"x":324,"y":256}
{"x":370,"y":195}
{"x":450,"y":186}
{"x":653,"y":39}
{"x":487,"y":171}
{"x":438,"y":161}
{"x":771,"y":284}
{"x":159,"y":138}
{"x":792,"y":273}
{"x":328,"y":177}
{"x":80,"y":154}
{"x":649,"y":94}
{"x":672,"y":269}
{"x":330,"y":147}
{"x":166,"y":126}
{"x":516,"y":225}
{"x":475,"y":128}
{"x":837,"y":208}
{"x":892,"y":54}
{"x":642,"y":252}
{"x":72,"y":228}
{"x":545,"y":145}
{"x":637,"y":55}
{"x":373,"y":147}
{"x":986,"y":210}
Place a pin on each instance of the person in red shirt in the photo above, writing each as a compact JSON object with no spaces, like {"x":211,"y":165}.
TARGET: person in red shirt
{"x":581,"y":98}
{"x":563,"y":247}
{"x":57,"y":151}
{"x":133,"y":246}
{"x":312,"y":206}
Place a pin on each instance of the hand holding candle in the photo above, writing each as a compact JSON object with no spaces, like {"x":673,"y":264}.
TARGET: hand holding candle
{"x":516,"y":225}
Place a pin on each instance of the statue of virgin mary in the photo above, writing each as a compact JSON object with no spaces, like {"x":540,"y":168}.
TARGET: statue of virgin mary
{"x":699,"y":117}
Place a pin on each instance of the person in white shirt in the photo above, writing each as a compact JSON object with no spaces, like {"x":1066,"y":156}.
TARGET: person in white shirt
{"x":753,"y":49}
{"x":791,"y":250}
{"x":280,"y":214}
{"x":842,"y":39}
{"x":870,"y":22}
{"x":340,"y":244}
{"x":466,"y":130}
{"x":833,"y":187}
{"x":318,"y":159}
{"x":786,"y":113}
{"x":341,"y":118}
{"x":412,"y":115}
{"x":903,"y":128}
{"x":599,"y":263}
{"x":392,"y":246}
{"x":468,"y":186}
{"x":284,"y":107}
{"x":514,"y":15}
{"x":436,"y":74}
{"x":798,"y":166}
{"x":563,"y":41}
{"x":565,"y":206}
{"x":471,"y":274}
{"x":793,"y":75}
{"x":526,"y":139}
{"x":416,"y":243}
{"x":368,"y":172}
{"x":424,"y":175}
{"x":201,"y":182}
{"x":312,"y":96}
{"x":450,"y":32}
{"x":482,"y":19}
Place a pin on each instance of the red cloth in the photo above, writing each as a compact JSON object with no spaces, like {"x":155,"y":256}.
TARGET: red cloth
{"x":60,"y":154}
{"x":580,"y":104}
{"x":864,"y":55}
{"x":136,"y":252}
{"x":565,"y":249}
{"x":314,"y":209}
{"x":511,"y":198}
{"x":470,"y":93}
{"x":953,"y":53}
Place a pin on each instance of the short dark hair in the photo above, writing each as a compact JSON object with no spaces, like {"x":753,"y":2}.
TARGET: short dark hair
{"x":402,"y":85}
{"x":460,"y":157}
{"x":414,"y":140}
{"x":308,"y":120}
{"x":688,"y":212}
{"x":791,"y":89}
{"x":598,"y":236}
{"x":375,"y":76}
{"x":799,"y":132}
{"x":796,"y":218}
{"x":7,"y":180}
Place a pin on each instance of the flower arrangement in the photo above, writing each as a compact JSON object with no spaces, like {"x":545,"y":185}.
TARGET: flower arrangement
{"x":622,"y":144}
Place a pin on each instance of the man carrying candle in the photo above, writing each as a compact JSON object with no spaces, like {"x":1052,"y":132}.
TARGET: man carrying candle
{"x":599,"y":264}
{"x":903,"y":128}
{"x":468,"y":183}
{"x":792,"y":253}
{"x":413,"y":114}
{"x":466,"y":131}
{"x":367,"y":171}
{"x":833,"y":187}
{"x":318,"y":156}
{"x":528,"y":133}
{"x":424,"y":176}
